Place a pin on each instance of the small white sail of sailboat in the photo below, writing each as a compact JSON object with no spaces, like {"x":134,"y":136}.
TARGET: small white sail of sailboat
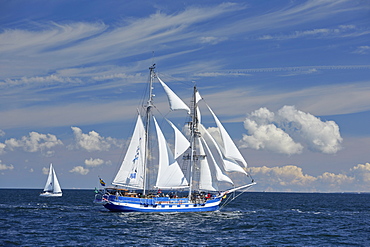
{"x":52,"y":187}
{"x":190,"y":178}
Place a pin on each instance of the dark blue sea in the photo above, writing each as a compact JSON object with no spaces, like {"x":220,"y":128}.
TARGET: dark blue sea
{"x":254,"y":219}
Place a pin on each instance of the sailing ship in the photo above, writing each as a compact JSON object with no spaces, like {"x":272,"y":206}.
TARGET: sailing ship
{"x":188,"y":179}
{"x":52,"y":187}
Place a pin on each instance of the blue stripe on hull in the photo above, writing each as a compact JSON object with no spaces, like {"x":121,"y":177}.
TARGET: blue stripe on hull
{"x":191,"y":208}
{"x":124,"y":206}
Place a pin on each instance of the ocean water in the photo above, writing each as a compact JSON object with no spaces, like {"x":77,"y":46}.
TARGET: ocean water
{"x":253,"y":219}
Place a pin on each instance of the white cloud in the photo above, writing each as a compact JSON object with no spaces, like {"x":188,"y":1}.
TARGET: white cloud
{"x":5,"y":167}
{"x":212,"y":40}
{"x":362,"y":50}
{"x":318,"y":135}
{"x":362,"y":172}
{"x":341,"y":31}
{"x":285,"y":131}
{"x":45,"y":170}
{"x":269,"y":137}
{"x":34,"y":142}
{"x":2,"y":133}
{"x":80,"y":170}
{"x":292,"y":178}
{"x":40,"y":80}
{"x":93,"y":141}
{"x":2,"y":148}
{"x":94,"y":162}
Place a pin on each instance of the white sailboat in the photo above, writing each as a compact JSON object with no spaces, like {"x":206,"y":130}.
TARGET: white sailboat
{"x":52,"y":187}
{"x":189,"y":179}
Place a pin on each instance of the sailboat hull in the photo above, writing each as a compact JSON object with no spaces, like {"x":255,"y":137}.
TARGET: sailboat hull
{"x":48,"y":194}
{"x":160,"y":204}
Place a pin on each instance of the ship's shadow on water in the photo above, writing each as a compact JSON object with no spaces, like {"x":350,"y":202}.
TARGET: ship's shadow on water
{"x":254,"y":219}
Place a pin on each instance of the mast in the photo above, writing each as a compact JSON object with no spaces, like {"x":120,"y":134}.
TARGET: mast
{"x":193,"y":134}
{"x":147,"y":123}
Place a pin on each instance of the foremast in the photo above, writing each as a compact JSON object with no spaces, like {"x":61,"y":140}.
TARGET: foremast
{"x":148,"y":108}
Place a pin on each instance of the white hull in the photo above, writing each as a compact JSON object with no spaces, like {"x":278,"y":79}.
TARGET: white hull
{"x":48,"y":194}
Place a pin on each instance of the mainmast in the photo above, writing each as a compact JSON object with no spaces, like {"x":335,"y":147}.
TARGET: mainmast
{"x":148,"y":106}
{"x":193,"y":133}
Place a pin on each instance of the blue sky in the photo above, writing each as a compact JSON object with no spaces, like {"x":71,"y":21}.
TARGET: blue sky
{"x":290,"y":80}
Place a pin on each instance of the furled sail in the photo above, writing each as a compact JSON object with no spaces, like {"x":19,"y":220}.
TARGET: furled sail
{"x":131,"y":173}
{"x":169,"y":171}
{"x":175,"y":102}
{"x":181,"y":143}
{"x":229,"y":148}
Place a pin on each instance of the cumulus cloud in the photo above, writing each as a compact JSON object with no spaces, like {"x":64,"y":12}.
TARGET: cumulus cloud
{"x":362,"y":172}
{"x":93,"y":141}
{"x":292,"y":178}
{"x":289,"y":130}
{"x":45,"y":170}
{"x":80,"y":170}
{"x":94,"y":162}
{"x":5,"y":167}
{"x":2,"y":148}
{"x":34,"y":142}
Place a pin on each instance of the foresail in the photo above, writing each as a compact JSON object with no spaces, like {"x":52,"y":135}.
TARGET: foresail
{"x":169,"y":172}
{"x":181,"y":142}
{"x":56,"y":186}
{"x":175,"y":102}
{"x":131,"y":173}
{"x":229,"y":149}
{"x":49,"y":181}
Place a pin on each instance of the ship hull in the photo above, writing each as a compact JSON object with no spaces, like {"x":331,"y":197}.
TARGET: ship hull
{"x":128,"y":204}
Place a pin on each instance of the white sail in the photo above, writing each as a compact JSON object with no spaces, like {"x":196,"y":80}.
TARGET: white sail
{"x":219,"y":175}
{"x":56,"y":186}
{"x":169,"y":172}
{"x":52,"y":187}
{"x":131,"y":173}
{"x":49,"y":181}
{"x":181,"y":142}
{"x":229,"y":148}
{"x":175,"y":102}
{"x":228,"y":164}
{"x":206,"y":183}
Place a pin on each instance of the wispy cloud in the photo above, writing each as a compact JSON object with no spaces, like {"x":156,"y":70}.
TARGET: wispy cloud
{"x":341,"y":31}
{"x":363,"y":50}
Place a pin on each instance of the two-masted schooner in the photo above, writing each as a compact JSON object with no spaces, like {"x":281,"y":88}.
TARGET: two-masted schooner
{"x":187,"y":179}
